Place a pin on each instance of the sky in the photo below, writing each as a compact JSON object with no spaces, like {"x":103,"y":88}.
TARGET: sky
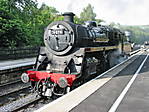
{"x":125,"y":12}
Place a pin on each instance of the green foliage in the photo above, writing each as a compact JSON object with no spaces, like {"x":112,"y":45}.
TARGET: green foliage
{"x":22,"y":23}
{"x":78,"y":20}
{"x":99,"y":21}
{"x":88,"y":13}
{"x":11,"y":32}
{"x":139,"y":34}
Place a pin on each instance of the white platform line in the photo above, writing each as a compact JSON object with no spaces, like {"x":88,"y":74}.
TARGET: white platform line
{"x":120,"y":98}
{"x":75,"y":97}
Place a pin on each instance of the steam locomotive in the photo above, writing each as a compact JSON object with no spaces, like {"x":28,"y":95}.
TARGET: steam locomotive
{"x":73,"y":54}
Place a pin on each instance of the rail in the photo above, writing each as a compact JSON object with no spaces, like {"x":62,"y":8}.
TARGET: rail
{"x":87,"y":89}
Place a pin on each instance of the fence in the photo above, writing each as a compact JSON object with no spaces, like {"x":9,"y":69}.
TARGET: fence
{"x":17,"y":53}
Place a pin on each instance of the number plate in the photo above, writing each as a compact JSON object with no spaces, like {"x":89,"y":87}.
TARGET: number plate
{"x":57,"y":32}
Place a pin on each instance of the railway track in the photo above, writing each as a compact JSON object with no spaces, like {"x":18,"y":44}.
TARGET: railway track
{"x":12,"y":93}
{"x":17,"y":97}
{"x":20,"y":103}
{"x":10,"y":71}
{"x":108,"y":79}
{"x":25,"y":101}
{"x":10,"y":83}
{"x":20,"y":98}
{"x":32,"y":105}
{"x":13,"y":87}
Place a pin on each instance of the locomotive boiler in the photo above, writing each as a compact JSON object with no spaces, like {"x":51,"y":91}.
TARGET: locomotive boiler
{"x":72,"y":55}
{"x":64,"y":37}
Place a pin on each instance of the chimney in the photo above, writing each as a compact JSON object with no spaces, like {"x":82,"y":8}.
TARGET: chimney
{"x":69,"y":16}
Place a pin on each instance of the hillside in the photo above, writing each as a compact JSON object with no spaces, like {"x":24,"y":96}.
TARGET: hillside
{"x":139,"y":33}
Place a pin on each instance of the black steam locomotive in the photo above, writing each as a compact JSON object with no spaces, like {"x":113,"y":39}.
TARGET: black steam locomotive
{"x":72,"y":55}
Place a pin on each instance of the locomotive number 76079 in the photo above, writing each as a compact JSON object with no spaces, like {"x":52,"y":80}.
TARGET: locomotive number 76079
{"x":57,"y":31}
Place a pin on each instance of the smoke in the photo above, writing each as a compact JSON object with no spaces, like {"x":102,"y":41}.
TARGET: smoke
{"x":70,"y":5}
{"x":77,"y":6}
{"x":119,"y":11}
{"x":122,"y":6}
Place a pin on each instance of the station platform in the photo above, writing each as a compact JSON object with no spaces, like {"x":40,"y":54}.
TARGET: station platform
{"x":134,"y":101}
{"x":10,"y":64}
{"x":123,"y":88}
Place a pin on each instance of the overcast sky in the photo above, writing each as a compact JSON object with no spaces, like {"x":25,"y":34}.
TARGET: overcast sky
{"x":125,"y":12}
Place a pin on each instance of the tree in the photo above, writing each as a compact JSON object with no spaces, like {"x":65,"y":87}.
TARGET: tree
{"x":88,"y":14}
{"x":22,"y":23}
{"x":78,"y":20}
{"x":11,"y":27}
{"x":44,"y":16}
{"x":139,"y":34}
